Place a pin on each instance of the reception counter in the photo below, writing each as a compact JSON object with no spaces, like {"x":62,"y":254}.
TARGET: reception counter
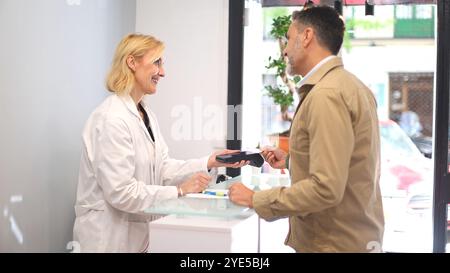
{"x":198,"y":223}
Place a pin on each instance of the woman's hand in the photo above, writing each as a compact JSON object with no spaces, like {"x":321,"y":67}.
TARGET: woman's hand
{"x":213,"y":163}
{"x":275,"y":157}
{"x":196,"y":183}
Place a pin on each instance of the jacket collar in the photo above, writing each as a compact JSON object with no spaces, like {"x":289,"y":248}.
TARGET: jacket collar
{"x":320,"y":73}
{"x":314,"y":78}
{"x":129,"y":103}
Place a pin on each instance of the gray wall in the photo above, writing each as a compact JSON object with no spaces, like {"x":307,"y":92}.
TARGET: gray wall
{"x":54,"y":55}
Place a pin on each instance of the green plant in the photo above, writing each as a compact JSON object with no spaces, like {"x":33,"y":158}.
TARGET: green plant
{"x":282,"y":95}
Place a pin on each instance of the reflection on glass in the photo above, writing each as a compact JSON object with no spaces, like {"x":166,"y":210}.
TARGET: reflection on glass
{"x":14,"y":227}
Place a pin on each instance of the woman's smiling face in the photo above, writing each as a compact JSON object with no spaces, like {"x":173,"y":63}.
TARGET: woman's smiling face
{"x":147,"y":72}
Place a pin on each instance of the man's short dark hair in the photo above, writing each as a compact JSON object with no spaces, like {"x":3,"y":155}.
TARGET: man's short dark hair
{"x":326,"y":23}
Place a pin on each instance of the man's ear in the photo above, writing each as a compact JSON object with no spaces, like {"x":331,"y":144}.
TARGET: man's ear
{"x":307,"y":36}
{"x":131,"y":63}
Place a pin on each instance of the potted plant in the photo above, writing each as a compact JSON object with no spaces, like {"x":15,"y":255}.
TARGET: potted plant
{"x":283,"y":92}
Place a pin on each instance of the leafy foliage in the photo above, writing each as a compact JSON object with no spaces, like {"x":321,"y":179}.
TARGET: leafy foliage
{"x":280,"y":95}
{"x":278,"y":64}
{"x":280,"y":26}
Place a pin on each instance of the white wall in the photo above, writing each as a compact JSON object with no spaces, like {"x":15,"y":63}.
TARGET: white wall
{"x":193,"y":96}
{"x":54,"y":56}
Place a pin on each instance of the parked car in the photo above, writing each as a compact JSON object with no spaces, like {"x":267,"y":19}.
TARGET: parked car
{"x":420,"y":204}
{"x":425,"y":145}
{"x":406,"y":184}
{"x":402,"y":164}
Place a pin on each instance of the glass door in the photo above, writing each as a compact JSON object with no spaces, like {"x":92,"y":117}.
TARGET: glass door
{"x":398,"y":64}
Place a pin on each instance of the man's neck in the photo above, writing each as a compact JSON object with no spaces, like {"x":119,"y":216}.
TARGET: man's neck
{"x":316,"y":59}
{"x":314,"y":68}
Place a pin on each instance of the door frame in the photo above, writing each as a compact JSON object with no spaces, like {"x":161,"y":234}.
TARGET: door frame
{"x":441,"y":119}
{"x":235,"y":77}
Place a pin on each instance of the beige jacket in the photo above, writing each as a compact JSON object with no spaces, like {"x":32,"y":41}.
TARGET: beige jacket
{"x":334,"y":202}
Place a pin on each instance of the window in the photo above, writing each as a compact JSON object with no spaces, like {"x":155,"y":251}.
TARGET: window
{"x":424,"y":12}
{"x":403,"y":12}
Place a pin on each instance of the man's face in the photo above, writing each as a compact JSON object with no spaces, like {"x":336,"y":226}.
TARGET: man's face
{"x":294,"y":50}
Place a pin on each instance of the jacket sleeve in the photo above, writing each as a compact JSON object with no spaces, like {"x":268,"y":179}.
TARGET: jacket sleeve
{"x":328,"y":123}
{"x":114,"y":167}
{"x":175,"y":171}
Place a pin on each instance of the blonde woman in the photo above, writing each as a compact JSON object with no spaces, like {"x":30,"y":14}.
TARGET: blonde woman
{"x":125,"y":167}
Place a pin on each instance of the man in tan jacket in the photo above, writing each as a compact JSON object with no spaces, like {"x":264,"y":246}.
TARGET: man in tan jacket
{"x":334,"y":202}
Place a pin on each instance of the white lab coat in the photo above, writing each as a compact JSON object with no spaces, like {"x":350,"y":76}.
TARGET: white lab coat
{"x":123,"y":172}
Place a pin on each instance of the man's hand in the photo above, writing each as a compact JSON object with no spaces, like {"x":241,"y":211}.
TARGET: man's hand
{"x":213,"y":163}
{"x":241,"y":195}
{"x":275,"y":157}
{"x":196,"y":183}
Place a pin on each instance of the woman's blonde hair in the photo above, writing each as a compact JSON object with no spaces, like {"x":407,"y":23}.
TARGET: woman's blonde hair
{"x":120,"y":78}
